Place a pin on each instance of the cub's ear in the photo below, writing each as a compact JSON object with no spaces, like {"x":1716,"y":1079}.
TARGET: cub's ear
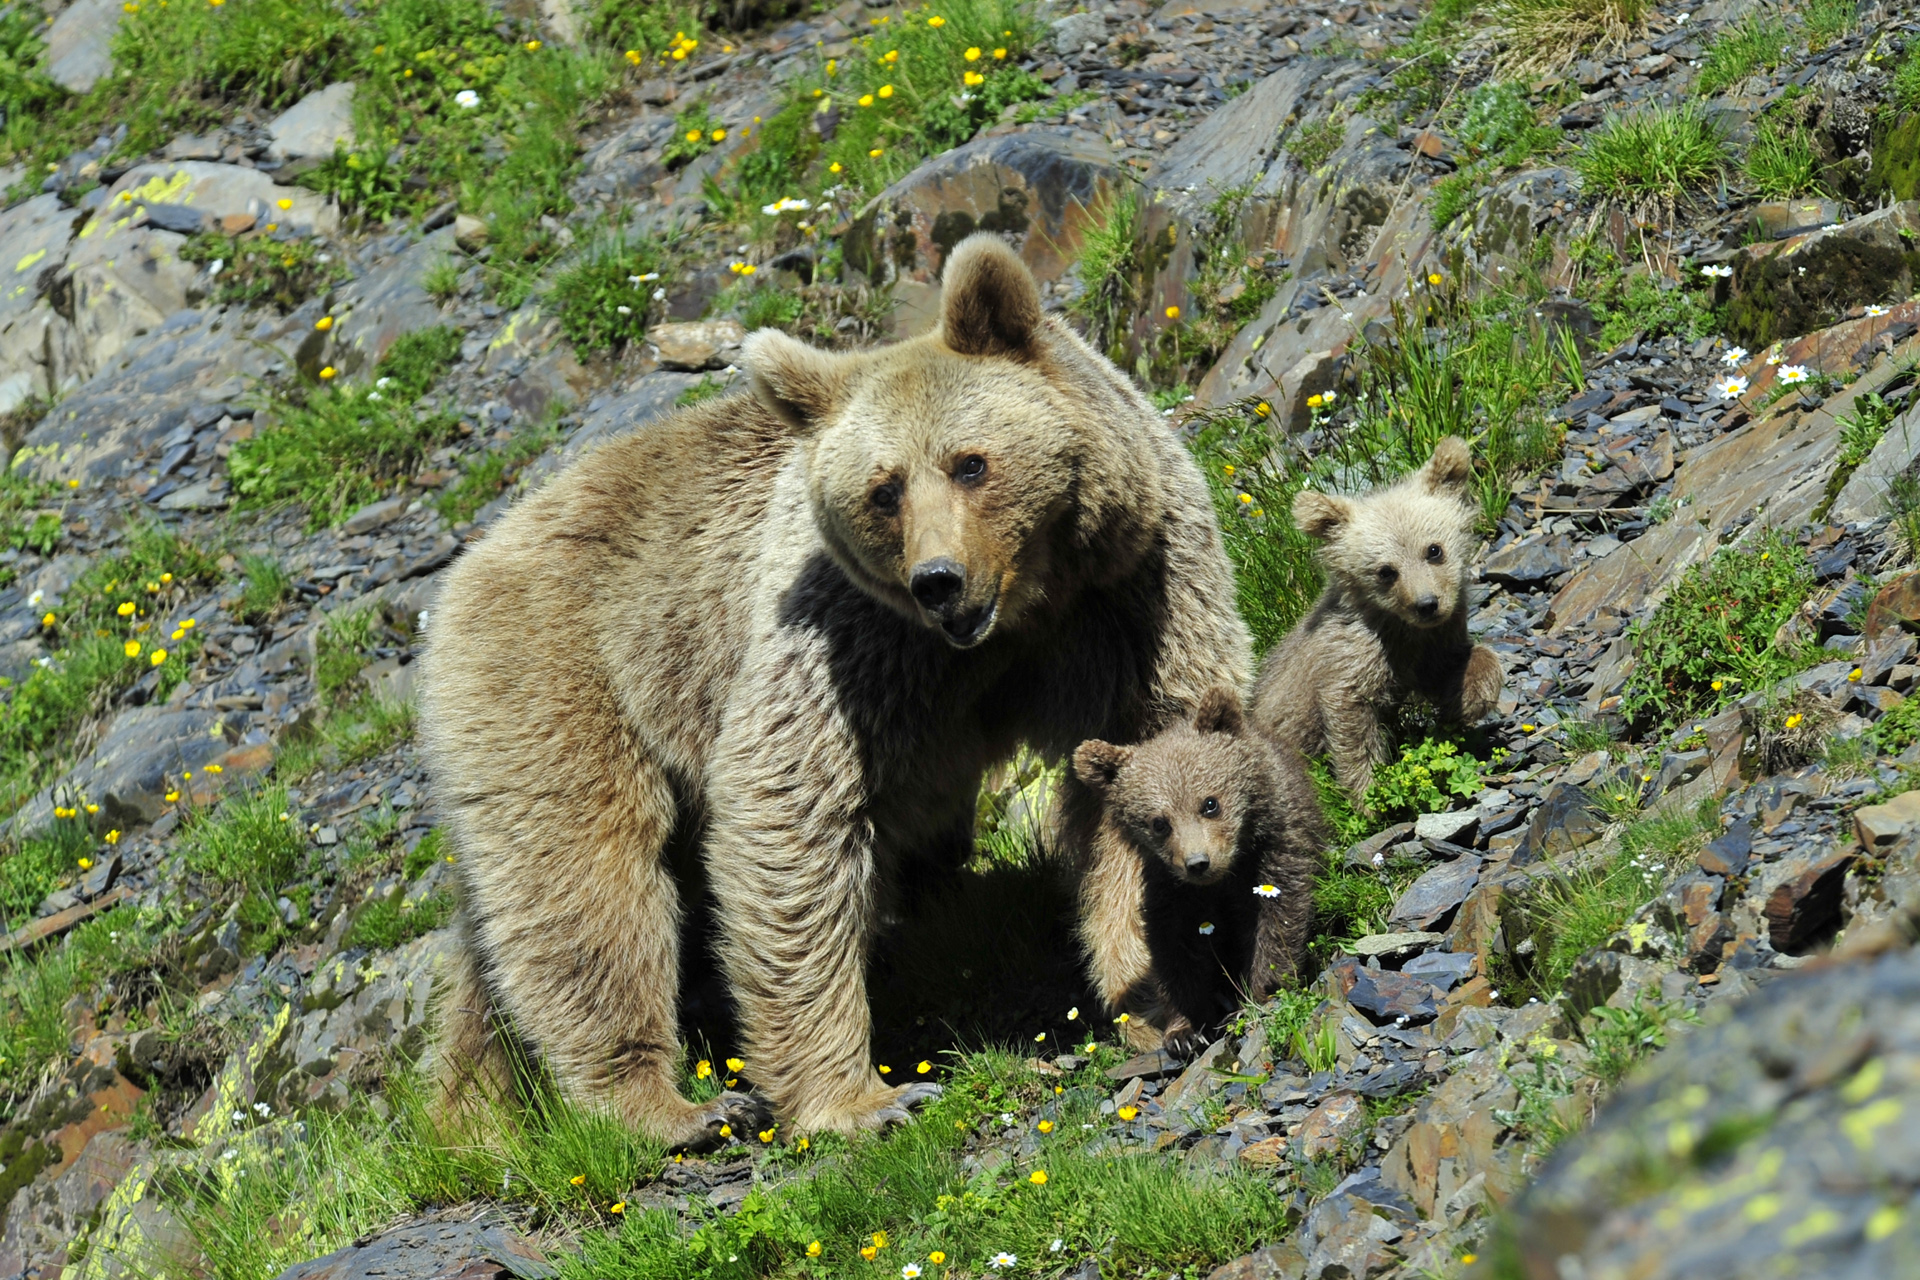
{"x":1098,"y":763}
{"x":1320,"y":515}
{"x":1219,"y":712}
{"x":1450,"y":467}
{"x":800,"y":383}
{"x":989,"y":304}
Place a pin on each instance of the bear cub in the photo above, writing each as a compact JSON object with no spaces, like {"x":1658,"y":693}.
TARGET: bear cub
{"x":1228,"y":830}
{"x":1391,"y":624}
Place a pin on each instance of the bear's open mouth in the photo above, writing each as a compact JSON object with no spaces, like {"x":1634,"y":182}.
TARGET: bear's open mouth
{"x":964,"y":630}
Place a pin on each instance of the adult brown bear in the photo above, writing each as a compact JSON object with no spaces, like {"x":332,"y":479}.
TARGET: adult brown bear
{"x":788,"y":632}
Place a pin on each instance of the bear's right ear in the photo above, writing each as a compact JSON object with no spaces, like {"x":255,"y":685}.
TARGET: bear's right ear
{"x":989,"y":303}
{"x":1098,"y":763}
{"x":800,"y":383}
{"x":1450,"y":467}
{"x":1219,"y":712}
{"x":1320,"y":515}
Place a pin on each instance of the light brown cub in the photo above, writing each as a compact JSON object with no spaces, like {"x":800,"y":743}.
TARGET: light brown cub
{"x":1391,"y":625}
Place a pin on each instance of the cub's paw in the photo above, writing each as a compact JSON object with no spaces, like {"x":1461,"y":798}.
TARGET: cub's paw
{"x":731,"y":1117}
{"x":1182,"y":1039}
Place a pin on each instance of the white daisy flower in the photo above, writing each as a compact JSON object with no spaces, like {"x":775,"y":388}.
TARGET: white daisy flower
{"x":1267,"y":890}
{"x":1073,"y":1013}
{"x":1714,"y":273}
{"x":1793,"y":373}
{"x":625,"y":311}
{"x":35,"y":599}
{"x":910,"y":1271}
{"x":1206,"y":929}
{"x":1876,"y":311}
{"x":1728,"y":388}
{"x":467,"y":98}
{"x":1734,"y":355}
{"x":1001,"y":1261}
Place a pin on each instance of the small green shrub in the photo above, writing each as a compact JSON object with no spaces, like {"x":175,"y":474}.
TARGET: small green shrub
{"x":1657,"y":153}
{"x":248,"y":842}
{"x":341,"y":651}
{"x":392,"y":922}
{"x":442,"y":280}
{"x":1314,"y":143}
{"x":1651,"y":306}
{"x":604,"y":298}
{"x":1780,"y":162}
{"x":647,"y":28}
{"x":695,"y":132}
{"x":1429,"y":777}
{"x":364,"y":183}
{"x":1499,"y":121}
{"x":1756,"y":43}
{"x":1619,"y":1038}
{"x":1863,"y":429}
{"x":260,"y":270}
{"x":1713,"y":639}
{"x":1452,"y":195}
{"x":1827,"y":20}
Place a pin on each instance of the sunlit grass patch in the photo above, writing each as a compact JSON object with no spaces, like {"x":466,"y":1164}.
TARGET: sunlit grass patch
{"x":1657,"y":153}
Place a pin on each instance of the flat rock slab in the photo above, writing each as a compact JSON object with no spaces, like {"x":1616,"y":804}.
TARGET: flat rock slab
{"x":1389,"y":947}
{"x":1329,"y":1126}
{"x":1147,"y":1066}
{"x":80,"y":43}
{"x":1436,"y":893}
{"x":315,"y":125}
{"x":1387,"y":996}
{"x":1522,"y":566}
{"x":487,"y":1249}
{"x":1880,"y":826}
{"x":1566,"y":820}
{"x":697,"y":344}
{"x":1041,"y":187}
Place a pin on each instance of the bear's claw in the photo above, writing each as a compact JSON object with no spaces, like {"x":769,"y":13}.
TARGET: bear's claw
{"x":743,"y":1114}
{"x":907,"y":1099}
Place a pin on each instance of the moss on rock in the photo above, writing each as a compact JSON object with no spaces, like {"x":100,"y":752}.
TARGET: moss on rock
{"x":1787,"y":294}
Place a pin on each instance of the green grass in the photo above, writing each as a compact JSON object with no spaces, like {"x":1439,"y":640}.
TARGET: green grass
{"x":342,"y":651}
{"x":1904,"y":92}
{"x":1757,"y":42}
{"x":392,"y":922}
{"x":487,"y":477}
{"x":1713,"y":639}
{"x":1780,"y":162}
{"x":603,"y":299}
{"x":246,"y":842}
{"x":648,"y":28}
{"x":1657,"y":153}
{"x":1827,"y":20}
{"x":442,"y":280}
{"x":36,"y":988}
{"x":32,"y":869}
{"x":1109,"y":265}
{"x":266,"y":586}
{"x":340,"y":446}
{"x":1648,"y":305}
{"x":1314,"y":143}
{"x":262,"y":269}
{"x":1500,"y":122}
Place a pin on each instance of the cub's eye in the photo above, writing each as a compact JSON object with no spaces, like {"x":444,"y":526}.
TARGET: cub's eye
{"x":1210,"y":808}
{"x":972,"y":469}
{"x":886,"y":498}
{"x":1434,"y":554}
{"x":1162,"y":828}
{"x":1388,"y":574}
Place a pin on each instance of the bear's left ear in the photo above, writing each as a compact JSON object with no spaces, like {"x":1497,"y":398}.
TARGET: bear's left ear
{"x":989,"y":304}
{"x":1219,"y":712}
{"x":1098,"y":763}
{"x":1451,"y":465}
{"x":800,"y":383}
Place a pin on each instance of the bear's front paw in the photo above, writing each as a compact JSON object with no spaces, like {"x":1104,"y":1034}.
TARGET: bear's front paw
{"x":1182,"y":1039}
{"x":731,"y":1117}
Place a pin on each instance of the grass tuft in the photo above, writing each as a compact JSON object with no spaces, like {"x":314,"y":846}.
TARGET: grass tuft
{"x":248,"y":842}
{"x":1658,"y":153}
{"x":1780,"y":162}
{"x":1755,"y":43}
{"x":1544,"y":34}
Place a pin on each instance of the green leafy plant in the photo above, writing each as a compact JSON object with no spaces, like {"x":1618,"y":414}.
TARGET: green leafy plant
{"x":1904,"y":92}
{"x":695,"y":132}
{"x":1313,"y":144}
{"x":1658,"y":153}
{"x":1755,"y":43}
{"x":365,"y":185}
{"x":1650,"y":306}
{"x":442,"y":280}
{"x":1715,"y":636}
{"x":603,"y":299}
{"x":1429,"y":777}
{"x":1499,"y":121}
{"x":259,"y":269}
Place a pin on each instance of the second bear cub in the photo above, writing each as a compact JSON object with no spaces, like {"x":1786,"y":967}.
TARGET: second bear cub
{"x":1228,"y":830}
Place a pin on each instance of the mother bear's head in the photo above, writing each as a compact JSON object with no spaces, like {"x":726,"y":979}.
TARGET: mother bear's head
{"x":980,"y":475}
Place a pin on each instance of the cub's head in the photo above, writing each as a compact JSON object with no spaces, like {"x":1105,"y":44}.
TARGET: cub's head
{"x":1182,"y":796}
{"x":970,"y":476}
{"x":1403,"y":549}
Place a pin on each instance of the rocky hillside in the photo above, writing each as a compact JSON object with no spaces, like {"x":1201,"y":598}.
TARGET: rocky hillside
{"x":305,"y":294}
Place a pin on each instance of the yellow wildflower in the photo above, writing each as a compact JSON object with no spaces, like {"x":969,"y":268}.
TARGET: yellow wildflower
{"x":924,"y":1066}
{"x":893,"y":55}
{"x":1128,"y":1113}
{"x":1263,"y":408}
{"x":578,"y":1179}
{"x":718,"y":135}
{"x":936,"y":1257}
{"x":1000,"y":53}
{"x":327,"y":372}
{"x":869,"y":1253}
{"x":735,"y":1064}
{"x":1434,"y":279}
{"x":879,"y":1239}
{"x":972,"y":55}
{"x":693,"y":135}
{"x":1045,"y":1126}
{"x":618,"y":1206}
{"x":532,"y":45}
{"x":324,"y":323}
{"x":159,"y":656}
{"x":112,"y":837}
{"x":886,"y":91}
{"x":813,"y":1249}
{"x":1854,"y":675}
{"x":876,"y":153}
{"x":47,"y":621}
{"x":1173,"y":313}
{"x":1038,"y":1177}
{"x":86,"y":863}
{"x":702,"y":1069}
{"x":1793,"y":721}
{"x":126,"y":609}
{"x":834,"y":167}
{"x":866,"y":99}
{"x":936,"y":22}
{"x":172,"y":796}
{"x":131,"y":648}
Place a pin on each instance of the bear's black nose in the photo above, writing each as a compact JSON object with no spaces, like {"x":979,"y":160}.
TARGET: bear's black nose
{"x":937,"y":584}
{"x":1197,"y":864}
{"x":1427,"y":606}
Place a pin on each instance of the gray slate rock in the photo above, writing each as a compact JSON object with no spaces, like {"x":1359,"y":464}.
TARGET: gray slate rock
{"x":426,"y":1250}
{"x":1436,"y":893}
{"x":1522,"y":566}
{"x":315,"y":125}
{"x":80,"y":43}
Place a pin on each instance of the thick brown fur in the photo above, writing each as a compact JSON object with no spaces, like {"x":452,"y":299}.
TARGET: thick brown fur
{"x":1392,"y":623}
{"x":1216,"y":815}
{"x":781,"y":636}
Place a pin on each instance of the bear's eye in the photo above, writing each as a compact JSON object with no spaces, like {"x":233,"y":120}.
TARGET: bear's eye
{"x":972,"y":469}
{"x":1388,"y":574}
{"x":886,"y":498}
{"x":1434,"y":554}
{"x":1210,"y":808}
{"x":1161,"y":827}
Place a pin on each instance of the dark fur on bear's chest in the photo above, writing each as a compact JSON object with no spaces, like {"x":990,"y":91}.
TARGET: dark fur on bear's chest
{"x":1202,"y":973}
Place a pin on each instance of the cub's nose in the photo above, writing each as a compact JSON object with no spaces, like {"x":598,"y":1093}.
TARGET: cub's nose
{"x":937,"y":584}
{"x":1427,"y":606}
{"x":1197,"y":864}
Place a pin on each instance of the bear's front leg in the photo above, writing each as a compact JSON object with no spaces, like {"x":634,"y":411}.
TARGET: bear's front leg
{"x":1481,"y":685}
{"x":791,"y":860}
